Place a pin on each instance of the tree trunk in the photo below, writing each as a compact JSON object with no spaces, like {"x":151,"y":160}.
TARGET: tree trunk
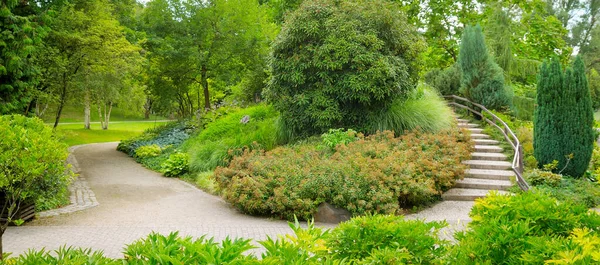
{"x":147,"y":108}
{"x":63,"y":98}
{"x":100,"y":115}
{"x":86,"y":111}
{"x":107,"y":116}
{"x":204,"y":80}
{"x":39,"y":113}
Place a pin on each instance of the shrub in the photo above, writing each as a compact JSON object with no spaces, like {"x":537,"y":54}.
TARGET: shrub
{"x":358,"y":238}
{"x":147,"y":151}
{"x":575,"y":191}
{"x":564,"y":118}
{"x":206,"y":181}
{"x":172,"y":249}
{"x":338,"y":136}
{"x":375,"y":174}
{"x":482,"y":79}
{"x":527,"y":228}
{"x":540,"y":177}
{"x":447,"y":81}
{"x":335,"y":61}
{"x":176,"y":165}
{"x":64,"y":255}
{"x":423,"y":110}
{"x":31,"y":156}
{"x":214,"y":146}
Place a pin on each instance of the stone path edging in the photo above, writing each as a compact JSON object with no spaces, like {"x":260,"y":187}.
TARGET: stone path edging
{"x":82,"y":197}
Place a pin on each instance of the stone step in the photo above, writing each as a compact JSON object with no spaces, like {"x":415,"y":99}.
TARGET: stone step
{"x":488,"y":149}
{"x":458,"y":194}
{"x":468,"y":125}
{"x":489,"y":174}
{"x":475,"y":130}
{"x":489,"y":156}
{"x":479,"y":136}
{"x":483,"y":184}
{"x":486,"y":164}
{"x":462,"y":120}
{"x":485,"y":142}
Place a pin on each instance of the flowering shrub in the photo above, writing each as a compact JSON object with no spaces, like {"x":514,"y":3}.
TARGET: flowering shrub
{"x":375,"y":174}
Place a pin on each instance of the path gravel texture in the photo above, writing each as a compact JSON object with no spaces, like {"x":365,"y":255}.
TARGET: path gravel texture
{"x":134,"y":201}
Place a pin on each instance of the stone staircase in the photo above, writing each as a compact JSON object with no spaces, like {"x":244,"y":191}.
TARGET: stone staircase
{"x":489,"y":168}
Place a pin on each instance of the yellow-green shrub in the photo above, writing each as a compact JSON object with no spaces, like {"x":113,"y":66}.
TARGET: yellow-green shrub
{"x":147,"y":151}
{"x":375,"y":174}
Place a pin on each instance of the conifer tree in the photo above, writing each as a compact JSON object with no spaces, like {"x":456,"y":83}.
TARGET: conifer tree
{"x":563,"y":121}
{"x":482,"y":79}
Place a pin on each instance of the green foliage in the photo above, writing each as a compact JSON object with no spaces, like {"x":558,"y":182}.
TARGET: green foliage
{"x":527,"y":228}
{"x":338,"y":136}
{"x":64,"y":255}
{"x":336,"y":61}
{"x":447,"y":81}
{"x":423,"y":110}
{"x":20,"y":37}
{"x":360,"y":237}
{"x":171,"y":134}
{"x":538,"y":177}
{"x":594,"y":85}
{"x":146,"y":151}
{"x":176,"y":165}
{"x":563,"y":122}
{"x":523,"y":107}
{"x":576,"y":191}
{"x":482,"y":79}
{"x":206,"y":181}
{"x":172,"y":249}
{"x":32,"y":161}
{"x":375,"y":174}
{"x":305,"y":246}
{"x":212,"y":146}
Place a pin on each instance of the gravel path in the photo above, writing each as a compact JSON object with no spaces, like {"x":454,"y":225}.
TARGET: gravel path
{"x":134,"y":201}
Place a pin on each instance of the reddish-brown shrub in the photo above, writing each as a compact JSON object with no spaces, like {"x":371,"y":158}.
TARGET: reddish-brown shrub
{"x":376,"y":174}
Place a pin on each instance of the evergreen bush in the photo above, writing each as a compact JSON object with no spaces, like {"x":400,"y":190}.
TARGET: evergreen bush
{"x":334,"y":62}
{"x":482,"y":79}
{"x":447,"y":81}
{"x":564,"y":118}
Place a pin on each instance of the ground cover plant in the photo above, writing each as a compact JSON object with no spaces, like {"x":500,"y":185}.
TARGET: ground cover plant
{"x":215,"y":144}
{"x":374,"y":174}
{"x":154,"y":147}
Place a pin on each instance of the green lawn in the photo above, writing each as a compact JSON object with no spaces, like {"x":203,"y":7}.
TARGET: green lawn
{"x":597,"y":115}
{"x":75,"y":114}
{"x":74,"y":134}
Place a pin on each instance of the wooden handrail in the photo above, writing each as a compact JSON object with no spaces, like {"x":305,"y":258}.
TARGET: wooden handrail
{"x":517,"y":163}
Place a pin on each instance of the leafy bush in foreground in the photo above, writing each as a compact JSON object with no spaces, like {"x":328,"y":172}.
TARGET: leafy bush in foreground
{"x":176,"y":165}
{"x":375,"y":174}
{"x":358,"y":238}
{"x":529,"y":228}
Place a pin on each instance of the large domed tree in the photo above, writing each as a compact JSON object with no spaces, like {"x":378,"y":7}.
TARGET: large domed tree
{"x":336,"y":62}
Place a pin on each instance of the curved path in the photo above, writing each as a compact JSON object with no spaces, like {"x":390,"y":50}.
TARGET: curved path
{"x":134,"y":201}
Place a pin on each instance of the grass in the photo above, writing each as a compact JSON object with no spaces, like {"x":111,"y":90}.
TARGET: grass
{"x":597,"y":115}
{"x":74,"y":134}
{"x":75,"y":114}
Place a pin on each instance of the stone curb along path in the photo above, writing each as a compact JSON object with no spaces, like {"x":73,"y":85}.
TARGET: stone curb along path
{"x":82,"y":197}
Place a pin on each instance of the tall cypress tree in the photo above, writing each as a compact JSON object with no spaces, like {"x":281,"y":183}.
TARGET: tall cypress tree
{"x":482,"y":79}
{"x":563,"y":121}
{"x":580,"y":141}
